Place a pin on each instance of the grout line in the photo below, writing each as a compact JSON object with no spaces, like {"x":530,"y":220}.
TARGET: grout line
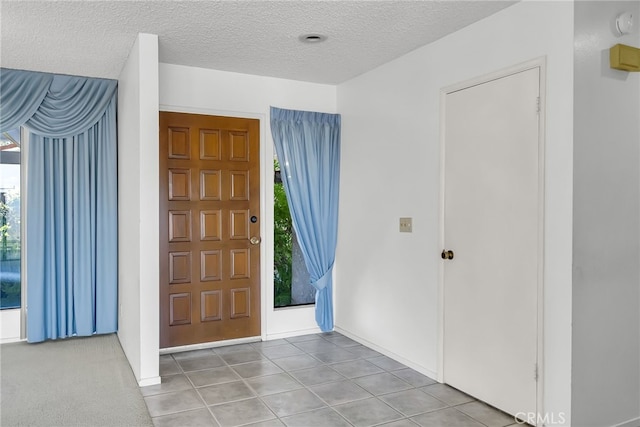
{"x":244,"y":381}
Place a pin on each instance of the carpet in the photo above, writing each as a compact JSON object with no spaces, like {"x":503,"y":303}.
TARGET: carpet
{"x":70,"y":382}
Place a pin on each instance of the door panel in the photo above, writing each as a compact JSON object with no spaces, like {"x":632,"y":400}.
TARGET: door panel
{"x":492,"y":225}
{"x":209,"y":191}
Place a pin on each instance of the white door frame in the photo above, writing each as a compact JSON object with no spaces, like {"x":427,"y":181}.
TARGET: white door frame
{"x":535,"y":63}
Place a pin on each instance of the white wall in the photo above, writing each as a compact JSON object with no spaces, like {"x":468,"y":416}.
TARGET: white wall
{"x":198,"y":90}
{"x":10,"y":321}
{"x":606,"y":278}
{"x":386,"y":281}
{"x":138,"y":244}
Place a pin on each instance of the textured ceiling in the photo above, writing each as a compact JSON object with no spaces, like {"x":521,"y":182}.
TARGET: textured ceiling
{"x":93,"y":38}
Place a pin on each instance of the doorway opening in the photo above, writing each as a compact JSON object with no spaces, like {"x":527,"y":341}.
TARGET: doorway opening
{"x":210,"y":241}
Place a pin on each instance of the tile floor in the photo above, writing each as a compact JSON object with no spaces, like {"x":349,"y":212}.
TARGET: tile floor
{"x":311,"y":380}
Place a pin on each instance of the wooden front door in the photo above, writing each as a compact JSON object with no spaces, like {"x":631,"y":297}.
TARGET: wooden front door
{"x":209,"y":228}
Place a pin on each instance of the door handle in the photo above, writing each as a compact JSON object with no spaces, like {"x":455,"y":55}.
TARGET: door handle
{"x":446,"y":254}
{"x":255,"y":240}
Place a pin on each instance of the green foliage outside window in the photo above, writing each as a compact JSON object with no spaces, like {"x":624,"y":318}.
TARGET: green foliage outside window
{"x":9,"y":224}
{"x":282,"y":244}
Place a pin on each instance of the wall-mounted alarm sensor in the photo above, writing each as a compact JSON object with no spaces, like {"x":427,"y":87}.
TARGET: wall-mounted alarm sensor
{"x":624,"y":23}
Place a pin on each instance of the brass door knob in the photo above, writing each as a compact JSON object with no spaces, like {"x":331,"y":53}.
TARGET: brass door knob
{"x":446,"y":254}
{"x":255,"y":240}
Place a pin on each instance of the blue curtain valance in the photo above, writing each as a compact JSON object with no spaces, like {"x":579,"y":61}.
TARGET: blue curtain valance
{"x":15,"y":88}
{"x":310,"y":118}
{"x":52,"y":105}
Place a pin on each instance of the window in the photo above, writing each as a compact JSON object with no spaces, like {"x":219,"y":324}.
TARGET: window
{"x":290,"y":276}
{"x":10,"y":242}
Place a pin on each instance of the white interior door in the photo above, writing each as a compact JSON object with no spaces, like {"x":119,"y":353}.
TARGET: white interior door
{"x":492,"y":224}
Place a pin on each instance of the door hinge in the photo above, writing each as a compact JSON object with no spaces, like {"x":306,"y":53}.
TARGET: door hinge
{"x":535,"y":371}
{"x":538,"y":104}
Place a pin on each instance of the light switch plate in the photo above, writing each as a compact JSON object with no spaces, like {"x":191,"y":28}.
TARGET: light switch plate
{"x":406,"y":225}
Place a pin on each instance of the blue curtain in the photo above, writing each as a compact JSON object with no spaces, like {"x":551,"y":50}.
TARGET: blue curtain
{"x":308,"y":149}
{"x":71,"y":200}
{"x":14,"y":87}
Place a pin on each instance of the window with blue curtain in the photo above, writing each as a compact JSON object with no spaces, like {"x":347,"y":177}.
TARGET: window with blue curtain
{"x":308,"y":148}
{"x":71,"y":218}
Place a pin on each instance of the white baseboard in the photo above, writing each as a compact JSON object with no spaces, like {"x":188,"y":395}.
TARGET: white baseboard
{"x":148,"y":381}
{"x":635,"y":422}
{"x":389,"y":353}
{"x":10,"y":340}
{"x":290,"y":334}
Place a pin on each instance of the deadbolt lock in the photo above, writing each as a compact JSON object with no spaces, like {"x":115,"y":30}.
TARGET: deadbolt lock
{"x":446,"y":254}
